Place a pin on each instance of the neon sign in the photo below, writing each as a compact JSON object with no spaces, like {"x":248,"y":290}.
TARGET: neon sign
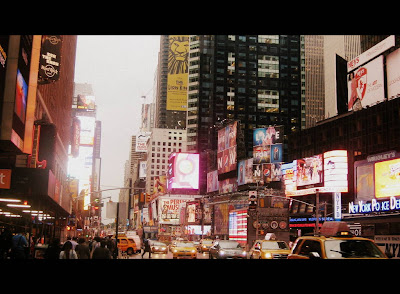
{"x":374,"y":206}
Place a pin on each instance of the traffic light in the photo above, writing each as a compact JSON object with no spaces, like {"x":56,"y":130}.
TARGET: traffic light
{"x":252,"y":200}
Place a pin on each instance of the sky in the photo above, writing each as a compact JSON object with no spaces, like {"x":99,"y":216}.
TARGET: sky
{"x":121,"y":69}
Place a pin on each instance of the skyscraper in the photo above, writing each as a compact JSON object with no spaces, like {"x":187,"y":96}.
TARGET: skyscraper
{"x":256,"y":79}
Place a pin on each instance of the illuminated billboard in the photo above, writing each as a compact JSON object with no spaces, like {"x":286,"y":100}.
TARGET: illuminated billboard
{"x":310,"y":171}
{"x":375,"y":177}
{"x":177,"y":78}
{"x":267,"y":154}
{"x":327,"y":172}
{"x":86,"y":102}
{"x":226,"y":152}
{"x":387,"y":178}
{"x":21,"y":94}
{"x":183,"y":171}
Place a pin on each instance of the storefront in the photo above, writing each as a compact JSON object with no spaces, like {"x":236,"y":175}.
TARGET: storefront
{"x":376,"y":206}
{"x":39,"y":207}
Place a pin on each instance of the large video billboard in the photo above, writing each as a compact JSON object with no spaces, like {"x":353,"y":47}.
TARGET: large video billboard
{"x":327,"y":172}
{"x":387,"y":178}
{"x":177,"y":79}
{"x":310,"y":171}
{"x":183,"y":171}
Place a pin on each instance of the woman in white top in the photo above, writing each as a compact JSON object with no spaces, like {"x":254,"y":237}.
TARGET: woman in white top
{"x":68,"y":252}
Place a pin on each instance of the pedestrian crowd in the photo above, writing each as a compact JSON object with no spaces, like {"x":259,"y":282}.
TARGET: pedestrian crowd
{"x":16,"y":246}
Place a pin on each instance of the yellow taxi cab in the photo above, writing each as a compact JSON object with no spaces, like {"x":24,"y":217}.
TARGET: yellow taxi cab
{"x":269,"y":249}
{"x":205,"y":245}
{"x":127,"y":245}
{"x":184,"y":249}
{"x":335,"y":241}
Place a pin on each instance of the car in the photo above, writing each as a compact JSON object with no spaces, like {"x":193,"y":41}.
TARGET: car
{"x":184,"y":249}
{"x":158,"y":247}
{"x":205,"y":245}
{"x":127,"y":245}
{"x":335,"y":241}
{"x":269,"y":249}
{"x":227,"y":249}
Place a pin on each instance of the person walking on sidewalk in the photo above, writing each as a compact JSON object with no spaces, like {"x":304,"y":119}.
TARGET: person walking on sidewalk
{"x":146,"y":247}
{"x":101,"y":252}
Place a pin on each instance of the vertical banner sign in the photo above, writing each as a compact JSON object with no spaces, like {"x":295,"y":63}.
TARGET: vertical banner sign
{"x":50,"y":57}
{"x":337,"y":203}
{"x":177,"y":80}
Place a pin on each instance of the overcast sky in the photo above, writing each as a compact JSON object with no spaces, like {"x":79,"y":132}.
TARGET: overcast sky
{"x":120,"y":69}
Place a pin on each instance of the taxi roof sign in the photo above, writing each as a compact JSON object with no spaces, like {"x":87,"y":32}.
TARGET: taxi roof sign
{"x":334,"y":228}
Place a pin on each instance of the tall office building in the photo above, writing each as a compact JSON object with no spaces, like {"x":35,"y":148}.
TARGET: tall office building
{"x":256,"y":79}
{"x":314,"y":79}
{"x":161,"y":144}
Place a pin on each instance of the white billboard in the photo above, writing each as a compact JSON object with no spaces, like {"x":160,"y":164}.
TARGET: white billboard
{"x":366,"y":85}
{"x":142,"y":169}
{"x":393,"y":73}
{"x":88,"y":124}
{"x":372,"y":52}
{"x":141,"y":142}
{"x":168,"y":209}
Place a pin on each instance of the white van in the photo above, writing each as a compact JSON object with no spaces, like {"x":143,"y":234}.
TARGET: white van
{"x":135,"y":237}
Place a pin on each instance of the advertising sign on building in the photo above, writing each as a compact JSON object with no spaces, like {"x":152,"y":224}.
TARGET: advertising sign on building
{"x":226,"y":152}
{"x":326,"y":172}
{"x":177,"y":78}
{"x":141,"y":142}
{"x":267,"y":154}
{"x":50,"y":58}
{"x":87,"y":130}
{"x":366,"y":85}
{"x":393,"y":73}
{"x":310,"y":171}
{"x":377,"y":176}
{"x":212,"y":181}
{"x":169,"y":209}
{"x":183,"y":171}
{"x":245,"y":172}
{"x":374,"y":51}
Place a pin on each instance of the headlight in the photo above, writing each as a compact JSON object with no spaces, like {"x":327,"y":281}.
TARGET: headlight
{"x":244,"y":253}
{"x":175,"y":251}
{"x":268,"y":255}
{"x":156,"y":248}
{"x":163,"y":248}
{"x":193,"y":251}
{"x":221,"y":252}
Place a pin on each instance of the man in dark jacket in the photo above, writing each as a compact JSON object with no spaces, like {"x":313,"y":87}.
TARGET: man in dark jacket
{"x":101,"y":252}
{"x":146,"y":248}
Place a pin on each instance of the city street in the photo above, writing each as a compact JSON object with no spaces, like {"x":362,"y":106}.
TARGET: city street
{"x":164,"y":256}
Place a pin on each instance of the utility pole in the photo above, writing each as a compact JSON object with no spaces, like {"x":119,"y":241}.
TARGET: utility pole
{"x":116,"y":233}
{"x":317,"y":212}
